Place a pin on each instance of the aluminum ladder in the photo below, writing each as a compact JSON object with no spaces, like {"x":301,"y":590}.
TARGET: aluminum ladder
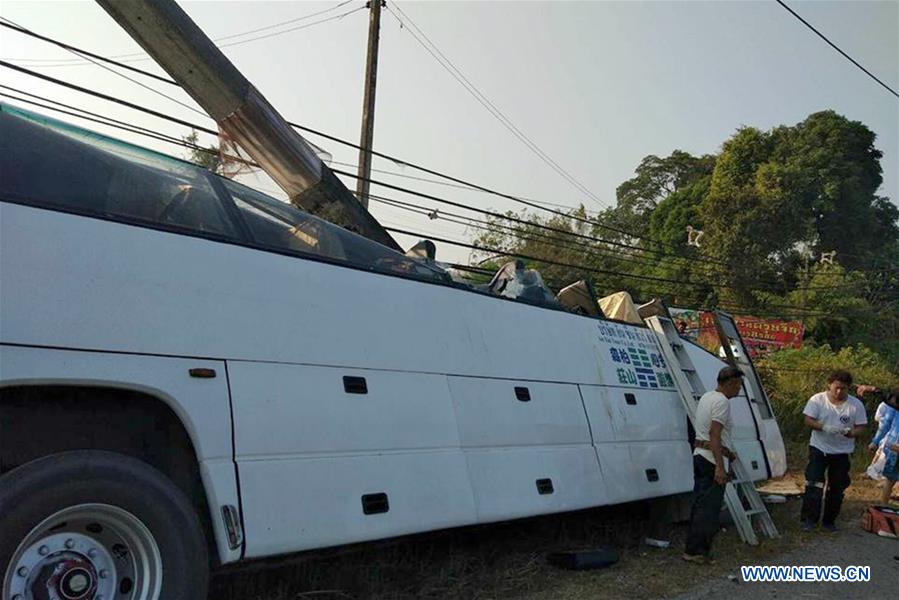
{"x":743,"y":501}
{"x":738,"y":355}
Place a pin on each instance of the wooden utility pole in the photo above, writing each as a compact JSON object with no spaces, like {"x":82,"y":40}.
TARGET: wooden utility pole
{"x":368,"y":103}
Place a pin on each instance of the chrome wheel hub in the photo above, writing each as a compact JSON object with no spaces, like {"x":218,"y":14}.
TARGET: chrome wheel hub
{"x":86,"y":552}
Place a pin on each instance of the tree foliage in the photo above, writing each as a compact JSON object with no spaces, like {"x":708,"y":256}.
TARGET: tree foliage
{"x":656,"y":179}
{"x":770,"y":204}
{"x":811,"y":186}
{"x":208,"y":157}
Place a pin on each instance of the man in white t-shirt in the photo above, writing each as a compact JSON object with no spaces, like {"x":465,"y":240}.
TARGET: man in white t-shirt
{"x":713,"y":425}
{"x":836,"y":419}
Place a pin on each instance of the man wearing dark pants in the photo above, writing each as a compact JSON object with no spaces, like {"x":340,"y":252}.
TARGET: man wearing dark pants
{"x":713,"y":425}
{"x":836,"y":419}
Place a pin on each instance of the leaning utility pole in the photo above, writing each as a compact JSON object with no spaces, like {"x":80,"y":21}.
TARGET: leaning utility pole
{"x":368,"y":103}
{"x":242,"y":113}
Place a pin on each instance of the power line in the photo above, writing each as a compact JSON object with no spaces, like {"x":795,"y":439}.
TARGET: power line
{"x":754,"y":310}
{"x":585,"y":268}
{"x":523,"y":201}
{"x":528,"y":202}
{"x":550,"y":228}
{"x":600,"y":240}
{"x":520,"y":234}
{"x":467,"y":221}
{"x":518,"y":220}
{"x":122,"y":75}
{"x":837,"y":48}
{"x":460,"y":183}
{"x":9,"y":25}
{"x":164,"y":137}
{"x":110,"y":122}
{"x":106,"y":97}
{"x":288,"y":22}
{"x":405,"y":190}
{"x":237,"y":43}
{"x":547,"y":261}
{"x":299,"y":27}
{"x":453,"y":185}
{"x":75,"y":62}
{"x":143,"y":131}
{"x":448,"y":65}
{"x":475,"y":186}
{"x":384,"y":184}
{"x":80,"y":51}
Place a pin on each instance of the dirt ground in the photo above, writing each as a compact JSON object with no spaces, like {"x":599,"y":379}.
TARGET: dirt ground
{"x":507,"y":561}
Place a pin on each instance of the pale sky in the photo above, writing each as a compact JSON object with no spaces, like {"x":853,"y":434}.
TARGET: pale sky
{"x":596,"y":85}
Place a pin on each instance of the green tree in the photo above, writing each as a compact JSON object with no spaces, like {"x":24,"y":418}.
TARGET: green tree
{"x":208,"y":156}
{"x":656,"y":178}
{"x":808,"y":186}
{"x":668,"y":224}
{"x":839,"y":312}
{"x":837,"y":172}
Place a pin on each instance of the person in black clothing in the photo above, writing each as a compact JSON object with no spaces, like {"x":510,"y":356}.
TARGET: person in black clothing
{"x":836,"y":419}
{"x":713,"y":424}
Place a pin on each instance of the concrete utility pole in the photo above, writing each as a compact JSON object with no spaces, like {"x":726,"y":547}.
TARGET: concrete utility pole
{"x":242,"y":112}
{"x":366,"y":139}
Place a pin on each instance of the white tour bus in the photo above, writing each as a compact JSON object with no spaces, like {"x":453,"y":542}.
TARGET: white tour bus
{"x":193,"y":373}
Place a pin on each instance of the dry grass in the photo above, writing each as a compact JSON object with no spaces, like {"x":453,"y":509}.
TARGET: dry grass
{"x":497,"y":561}
{"x":506,"y":560}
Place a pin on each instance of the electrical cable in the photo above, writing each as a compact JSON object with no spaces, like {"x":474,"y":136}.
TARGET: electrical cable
{"x":75,"y":62}
{"x":454,"y":185}
{"x":428,"y":196}
{"x":755,"y":310}
{"x":448,"y":65}
{"x":837,"y":48}
{"x":527,"y":202}
{"x":292,"y":29}
{"x":134,"y":81}
{"x":519,"y":233}
{"x":532,"y":224}
{"x":176,"y":141}
{"x":383,"y":184}
{"x":584,"y":268}
{"x":288,"y":22}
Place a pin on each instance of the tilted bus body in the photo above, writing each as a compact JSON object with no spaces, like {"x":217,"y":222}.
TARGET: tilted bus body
{"x":292,"y":385}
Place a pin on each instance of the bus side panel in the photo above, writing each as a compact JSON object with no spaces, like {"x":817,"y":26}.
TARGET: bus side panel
{"x":638,"y":470}
{"x":526,"y":481}
{"x":296,"y":503}
{"x":331,"y":456}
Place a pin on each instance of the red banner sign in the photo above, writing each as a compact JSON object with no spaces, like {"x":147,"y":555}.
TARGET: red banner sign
{"x":759,"y":335}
